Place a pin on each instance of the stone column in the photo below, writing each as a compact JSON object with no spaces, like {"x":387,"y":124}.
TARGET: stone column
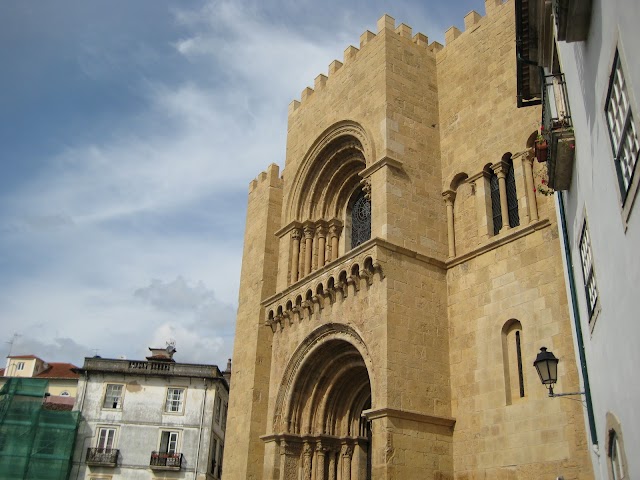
{"x":347,"y":452}
{"x":528,"y":180}
{"x":449,"y":198}
{"x":289,"y":454}
{"x":332,"y":465}
{"x":321,"y":232}
{"x":321,"y":452}
{"x":308,"y":248}
{"x":295,"y":253}
{"x":307,"y":451}
{"x":500,"y":169}
{"x":335,"y":228}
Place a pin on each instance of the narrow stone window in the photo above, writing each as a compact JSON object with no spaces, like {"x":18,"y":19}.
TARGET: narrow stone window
{"x":512,"y":197}
{"x":495,"y":203}
{"x":519,"y":360}
{"x":512,"y":361}
{"x":360,"y":219}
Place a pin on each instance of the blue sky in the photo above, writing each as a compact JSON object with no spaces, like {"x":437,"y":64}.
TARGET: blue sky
{"x":130,"y":132}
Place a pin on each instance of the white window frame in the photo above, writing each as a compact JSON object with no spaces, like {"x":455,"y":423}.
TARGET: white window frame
{"x":225,"y":408}
{"x":176,"y":435}
{"x":173,"y":404}
{"x":19,"y":366}
{"x":118,"y":403}
{"x":619,"y":110}
{"x":585,"y":250}
{"x":114,"y":437}
{"x":217,"y":409}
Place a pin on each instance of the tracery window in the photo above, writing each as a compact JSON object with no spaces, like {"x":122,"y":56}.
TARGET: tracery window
{"x":360,"y":220}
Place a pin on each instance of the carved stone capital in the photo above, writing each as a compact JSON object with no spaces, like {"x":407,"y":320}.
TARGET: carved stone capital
{"x":321,"y":229}
{"x":449,"y":196}
{"x":500,"y":168}
{"x":335,"y":228}
{"x":347,"y":451}
{"x":366,"y":188}
{"x":296,"y":234}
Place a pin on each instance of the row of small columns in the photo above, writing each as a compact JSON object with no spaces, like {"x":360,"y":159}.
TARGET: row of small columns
{"x":315,"y":237}
{"x":500,"y":169}
{"x":322,"y":450}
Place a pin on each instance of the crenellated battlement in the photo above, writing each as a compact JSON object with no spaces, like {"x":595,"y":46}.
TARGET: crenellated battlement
{"x":270,"y":176}
{"x":387,"y":24}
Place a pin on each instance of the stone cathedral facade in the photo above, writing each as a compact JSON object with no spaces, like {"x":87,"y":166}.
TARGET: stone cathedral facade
{"x":400,"y":275}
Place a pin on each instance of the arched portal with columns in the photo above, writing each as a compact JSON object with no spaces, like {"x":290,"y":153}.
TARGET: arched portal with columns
{"x":325,"y":389}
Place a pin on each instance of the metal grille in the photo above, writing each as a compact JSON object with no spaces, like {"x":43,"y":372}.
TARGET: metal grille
{"x":512,"y":197}
{"x":587,"y":269}
{"x":495,"y":203}
{"x":624,"y":137}
{"x":360,"y":220}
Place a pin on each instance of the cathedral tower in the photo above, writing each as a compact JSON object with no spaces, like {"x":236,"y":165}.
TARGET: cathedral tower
{"x":400,"y":275}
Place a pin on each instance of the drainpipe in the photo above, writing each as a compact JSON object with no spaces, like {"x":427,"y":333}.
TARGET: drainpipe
{"x":204,"y":402}
{"x":576,"y":319}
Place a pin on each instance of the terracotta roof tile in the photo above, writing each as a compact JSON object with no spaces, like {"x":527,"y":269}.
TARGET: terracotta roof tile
{"x":59,"y":370}
{"x":24,"y":356}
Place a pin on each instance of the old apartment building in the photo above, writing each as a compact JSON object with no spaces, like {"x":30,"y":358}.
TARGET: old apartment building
{"x":579,"y":61}
{"x":401,"y":274}
{"x":149,"y":419}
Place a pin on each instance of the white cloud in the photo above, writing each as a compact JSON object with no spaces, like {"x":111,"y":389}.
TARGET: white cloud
{"x":88,"y":225}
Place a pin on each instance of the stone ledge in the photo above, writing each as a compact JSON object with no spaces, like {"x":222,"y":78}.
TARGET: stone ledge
{"x":514,"y":234}
{"x":378,"y":164}
{"x":374,"y":414}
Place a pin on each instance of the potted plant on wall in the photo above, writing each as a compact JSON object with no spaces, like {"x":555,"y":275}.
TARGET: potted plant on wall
{"x":541,"y":181}
{"x":542,"y":147}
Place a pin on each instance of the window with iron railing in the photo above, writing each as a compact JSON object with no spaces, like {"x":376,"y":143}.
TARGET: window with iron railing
{"x":622,"y":130}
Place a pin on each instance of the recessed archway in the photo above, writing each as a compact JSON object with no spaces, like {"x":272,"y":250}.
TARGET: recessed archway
{"x":319,"y":408}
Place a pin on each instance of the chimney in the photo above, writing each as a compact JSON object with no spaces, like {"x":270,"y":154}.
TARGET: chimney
{"x":227,"y":373}
{"x":163,"y":354}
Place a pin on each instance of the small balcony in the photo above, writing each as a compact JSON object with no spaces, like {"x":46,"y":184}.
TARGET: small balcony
{"x":558,"y":131}
{"x":102,"y":457}
{"x":165,"y":461}
{"x":572,"y":19}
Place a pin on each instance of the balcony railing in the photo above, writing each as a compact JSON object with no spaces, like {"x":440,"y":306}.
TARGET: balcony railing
{"x":165,"y":461}
{"x":103,"y":457}
{"x":558,"y":131}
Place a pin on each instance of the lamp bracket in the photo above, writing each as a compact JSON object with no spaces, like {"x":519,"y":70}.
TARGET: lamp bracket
{"x":551,"y":394}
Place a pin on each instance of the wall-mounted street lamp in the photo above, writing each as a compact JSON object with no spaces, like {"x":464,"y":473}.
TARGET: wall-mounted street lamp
{"x":547,"y":366}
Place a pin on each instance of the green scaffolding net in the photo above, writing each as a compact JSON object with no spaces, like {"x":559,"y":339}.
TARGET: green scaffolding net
{"x":35,"y":443}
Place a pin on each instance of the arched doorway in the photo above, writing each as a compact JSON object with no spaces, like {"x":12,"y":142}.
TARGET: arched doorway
{"x":325,"y":436}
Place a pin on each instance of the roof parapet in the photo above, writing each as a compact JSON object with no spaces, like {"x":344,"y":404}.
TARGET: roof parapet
{"x":366,"y":37}
{"x":387,"y":22}
{"x":270,"y":176}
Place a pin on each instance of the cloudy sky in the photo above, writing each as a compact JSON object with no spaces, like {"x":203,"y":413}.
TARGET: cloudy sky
{"x":130,"y":131}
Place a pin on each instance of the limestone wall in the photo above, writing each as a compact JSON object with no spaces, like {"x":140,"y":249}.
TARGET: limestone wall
{"x":252,"y":348}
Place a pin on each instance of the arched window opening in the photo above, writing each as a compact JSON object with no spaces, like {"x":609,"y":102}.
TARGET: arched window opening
{"x":512,"y":361}
{"x":615,"y":457}
{"x":360,"y":219}
{"x":512,"y":196}
{"x":495,"y":203}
